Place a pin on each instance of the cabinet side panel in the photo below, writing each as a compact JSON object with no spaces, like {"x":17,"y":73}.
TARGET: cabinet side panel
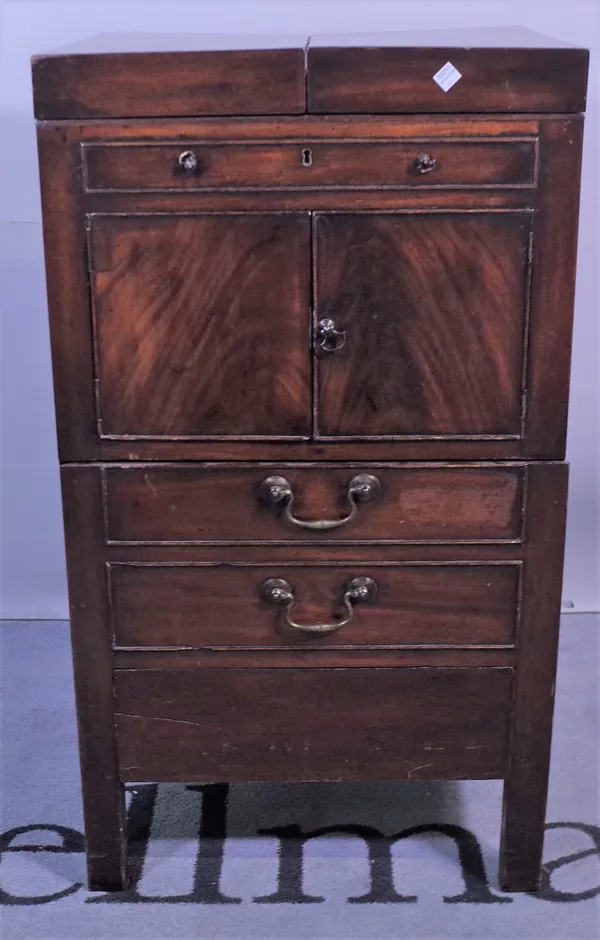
{"x":553,"y":288}
{"x":68,"y":299}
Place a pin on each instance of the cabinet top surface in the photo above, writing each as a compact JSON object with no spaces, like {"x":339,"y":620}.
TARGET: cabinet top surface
{"x":493,"y":37}
{"x":508,"y":70}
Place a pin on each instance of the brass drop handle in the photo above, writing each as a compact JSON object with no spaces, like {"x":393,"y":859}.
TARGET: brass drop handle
{"x":187,"y":160}
{"x":357,"y":591}
{"x":329,"y":338}
{"x":363,"y":488}
{"x":424,"y":163}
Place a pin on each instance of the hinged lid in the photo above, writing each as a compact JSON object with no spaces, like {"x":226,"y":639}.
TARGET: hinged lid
{"x":145,"y":75}
{"x":498,"y":70}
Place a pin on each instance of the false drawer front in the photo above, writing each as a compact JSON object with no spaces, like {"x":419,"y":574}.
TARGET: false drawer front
{"x":312,"y":724}
{"x":329,"y":503}
{"x":260,"y":606}
{"x":140,"y":167}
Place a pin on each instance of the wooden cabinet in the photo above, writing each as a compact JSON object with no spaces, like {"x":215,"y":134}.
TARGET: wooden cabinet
{"x":311,"y":345}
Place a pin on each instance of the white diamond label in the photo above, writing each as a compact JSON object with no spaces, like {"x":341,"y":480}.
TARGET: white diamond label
{"x":447,"y":76}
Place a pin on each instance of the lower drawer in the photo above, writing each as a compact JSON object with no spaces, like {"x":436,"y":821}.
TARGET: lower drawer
{"x":312,"y":724}
{"x":225,"y":607}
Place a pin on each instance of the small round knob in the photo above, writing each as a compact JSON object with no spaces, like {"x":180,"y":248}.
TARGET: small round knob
{"x":188,"y":161}
{"x":329,"y":337}
{"x":364,"y":488}
{"x":424,"y":163}
{"x":276,"y":591}
{"x":362,"y":589}
{"x":275,"y":489}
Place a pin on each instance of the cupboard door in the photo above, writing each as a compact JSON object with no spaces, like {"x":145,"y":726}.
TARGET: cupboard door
{"x":429,"y":312}
{"x":201,"y":325}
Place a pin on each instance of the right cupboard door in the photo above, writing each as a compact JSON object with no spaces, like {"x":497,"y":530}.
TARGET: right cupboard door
{"x":420,"y":324}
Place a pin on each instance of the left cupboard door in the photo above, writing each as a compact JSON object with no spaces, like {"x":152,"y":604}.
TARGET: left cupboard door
{"x":201,"y":325}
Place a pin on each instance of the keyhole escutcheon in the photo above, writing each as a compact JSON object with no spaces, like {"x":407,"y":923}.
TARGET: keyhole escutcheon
{"x":307,"y":157}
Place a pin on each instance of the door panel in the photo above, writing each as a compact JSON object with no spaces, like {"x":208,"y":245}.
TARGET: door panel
{"x":201,"y":325}
{"x":433,"y":308}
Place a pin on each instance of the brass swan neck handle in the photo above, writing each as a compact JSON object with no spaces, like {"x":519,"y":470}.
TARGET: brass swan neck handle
{"x":357,"y":591}
{"x":363,"y":488}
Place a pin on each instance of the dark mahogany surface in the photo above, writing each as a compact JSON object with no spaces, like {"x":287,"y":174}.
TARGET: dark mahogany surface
{"x":169,"y":84}
{"x":194,"y":334}
{"x":305,"y":724}
{"x":503,"y":70}
{"x":221,"y":606}
{"x":191,"y":503}
{"x":434,"y":308}
{"x":308,"y":163}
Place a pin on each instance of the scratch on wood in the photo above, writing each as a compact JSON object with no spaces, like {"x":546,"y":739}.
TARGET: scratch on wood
{"x":173,"y":721}
{"x":420,"y":767}
{"x":150,"y":484}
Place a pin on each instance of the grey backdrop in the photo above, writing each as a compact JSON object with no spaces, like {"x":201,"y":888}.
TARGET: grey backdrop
{"x":33,"y":577}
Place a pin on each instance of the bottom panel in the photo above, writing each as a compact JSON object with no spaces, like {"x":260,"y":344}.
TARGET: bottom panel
{"x":313,"y":724}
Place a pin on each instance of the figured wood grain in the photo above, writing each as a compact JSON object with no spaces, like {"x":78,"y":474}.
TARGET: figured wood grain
{"x":195,"y":606}
{"x":433,"y":308}
{"x":307,"y":163}
{"x":194,"y":335}
{"x":378,"y":80}
{"x":341,"y":724}
{"x":223,"y":503}
{"x":169,"y":84}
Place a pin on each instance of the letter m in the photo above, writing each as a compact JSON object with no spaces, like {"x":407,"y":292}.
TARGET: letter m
{"x":382,"y":890}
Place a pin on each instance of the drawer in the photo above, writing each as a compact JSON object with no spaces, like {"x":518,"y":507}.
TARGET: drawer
{"x":312,"y":724}
{"x":253,"y":606}
{"x":303,"y":164}
{"x":232,"y":503}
